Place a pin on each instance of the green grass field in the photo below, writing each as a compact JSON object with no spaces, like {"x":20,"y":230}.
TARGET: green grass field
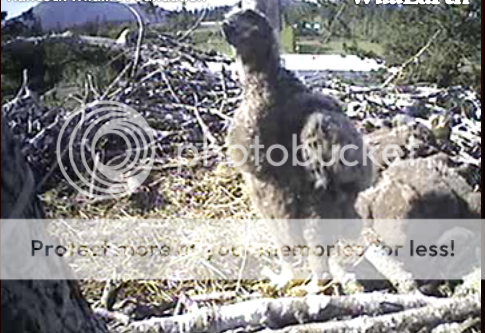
{"x":211,"y":38}
{"x":335,"y":46}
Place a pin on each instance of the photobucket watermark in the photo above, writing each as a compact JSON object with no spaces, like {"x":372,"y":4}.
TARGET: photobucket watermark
{"x":100,"y":122}
{"x":80,"y":144}
{"x":297,"y":155}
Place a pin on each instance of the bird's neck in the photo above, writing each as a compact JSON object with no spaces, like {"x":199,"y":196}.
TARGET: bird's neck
{"x":260,"y":77}
{"x":268,"y":84}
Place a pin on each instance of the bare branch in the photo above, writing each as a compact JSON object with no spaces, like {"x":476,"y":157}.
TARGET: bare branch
{"x":282,"y":312}
{"x":414,"y":58}
{"x":415,"y":320}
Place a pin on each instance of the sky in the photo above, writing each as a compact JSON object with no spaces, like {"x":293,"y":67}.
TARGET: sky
{"x":15,"y":7}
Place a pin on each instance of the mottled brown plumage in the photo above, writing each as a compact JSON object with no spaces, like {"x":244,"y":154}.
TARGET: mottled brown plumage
{"x":277,"y":109}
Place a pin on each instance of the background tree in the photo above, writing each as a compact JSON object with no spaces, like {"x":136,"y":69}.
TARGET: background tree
{"x":453,"y":58}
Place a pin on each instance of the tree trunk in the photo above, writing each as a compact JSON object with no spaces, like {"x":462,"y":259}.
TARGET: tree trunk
{"x":270,"y":8}
{"x":35,"y":306}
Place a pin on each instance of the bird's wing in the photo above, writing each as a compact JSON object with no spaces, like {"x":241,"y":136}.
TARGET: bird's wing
{"x":333,"y":153}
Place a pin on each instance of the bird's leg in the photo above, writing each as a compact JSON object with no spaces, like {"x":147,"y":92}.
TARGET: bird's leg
{"x":320,"y":275}
{"x":316,"y":283}
{"x":282,"y":280}
{"x":316,"y":238}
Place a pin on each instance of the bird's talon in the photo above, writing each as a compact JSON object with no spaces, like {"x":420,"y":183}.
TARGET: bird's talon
{"x":316,"y":286}
{"x":278,"y":282}
{"x":312,"y":289}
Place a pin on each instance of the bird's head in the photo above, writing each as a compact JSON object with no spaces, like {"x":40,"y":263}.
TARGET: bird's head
{"x":250,"y":33}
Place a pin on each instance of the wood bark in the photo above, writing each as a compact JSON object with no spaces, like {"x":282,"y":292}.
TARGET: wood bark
{"x":282,"y":312}
{"x":270,"y":8}
{"x":28,"y":44}
{"x":423,"y":319}
{"x":35,"y":306}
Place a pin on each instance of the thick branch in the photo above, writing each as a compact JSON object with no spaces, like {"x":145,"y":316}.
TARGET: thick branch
{"x":277,"y":313}
{"x":392,"y":269}
{"x":22,"y":44}
{"x":415,"y":320}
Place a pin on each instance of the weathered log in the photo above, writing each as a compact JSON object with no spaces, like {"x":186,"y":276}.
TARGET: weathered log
{"x":415,"y":320}
{"x":392,"y":269}
{"x":278,"y":313}
{"x":26,"y":44}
